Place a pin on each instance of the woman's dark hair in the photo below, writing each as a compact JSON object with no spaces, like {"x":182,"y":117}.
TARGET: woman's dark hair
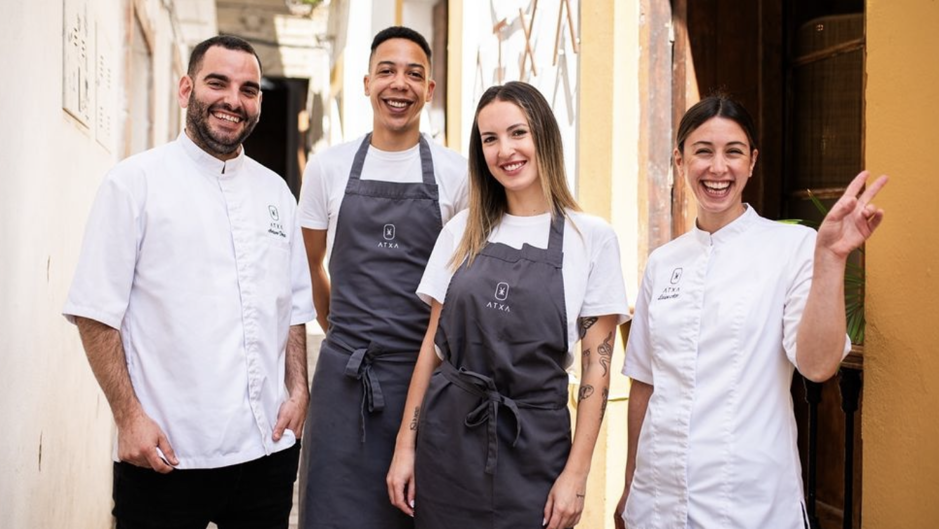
{"x":717,"y":105}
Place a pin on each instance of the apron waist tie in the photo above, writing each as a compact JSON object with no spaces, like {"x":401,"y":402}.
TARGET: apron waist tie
{"x":359,"y":367}
{"x":488,"y":409}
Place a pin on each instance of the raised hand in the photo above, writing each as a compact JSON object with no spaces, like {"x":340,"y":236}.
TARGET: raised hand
{"x":852,"y":219}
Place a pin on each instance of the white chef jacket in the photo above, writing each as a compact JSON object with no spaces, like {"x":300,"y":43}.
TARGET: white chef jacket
{"x":715,"y":333}
{"x":200,"y":264}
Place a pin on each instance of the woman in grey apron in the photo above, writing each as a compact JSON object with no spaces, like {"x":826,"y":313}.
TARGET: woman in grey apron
{"x":485,"y":441}
{"x":365,"y":363}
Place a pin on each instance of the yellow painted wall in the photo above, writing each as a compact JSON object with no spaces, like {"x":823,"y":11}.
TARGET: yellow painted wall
{"x":901,"y":394}
{"x":607,"y":168}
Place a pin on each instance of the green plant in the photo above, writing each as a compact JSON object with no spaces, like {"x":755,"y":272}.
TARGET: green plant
{"x":853,"y":279}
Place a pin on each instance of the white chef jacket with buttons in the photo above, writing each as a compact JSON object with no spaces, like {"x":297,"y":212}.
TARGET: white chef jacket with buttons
{"x":201,"y":266}
{"x":715,"y":333}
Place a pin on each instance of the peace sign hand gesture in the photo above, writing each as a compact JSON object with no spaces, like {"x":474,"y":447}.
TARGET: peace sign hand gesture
{"x":852,"y":219}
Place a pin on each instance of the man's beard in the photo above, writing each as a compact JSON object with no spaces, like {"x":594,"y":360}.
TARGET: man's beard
{"x":197,"y":116}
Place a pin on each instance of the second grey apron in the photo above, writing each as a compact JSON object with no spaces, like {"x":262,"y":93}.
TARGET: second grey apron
{"x":494,"y":431}
{"x":384,"y":235}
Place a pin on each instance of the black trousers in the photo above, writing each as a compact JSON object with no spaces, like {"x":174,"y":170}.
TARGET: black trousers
{"x":256,"y":494}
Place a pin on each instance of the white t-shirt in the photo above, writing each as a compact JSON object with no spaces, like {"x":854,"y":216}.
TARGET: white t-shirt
{"x":200,"y":265}
{"x":593,"y":280}
{"x":715,"y":333}
{"x":326,"y":175}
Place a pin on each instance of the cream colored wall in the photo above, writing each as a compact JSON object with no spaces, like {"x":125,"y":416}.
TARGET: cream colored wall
{"x":608,"y":129}
{"x":356,"y":110}
{"x":901,"y":363}
{"x":55,"y":466}
{"x":455,"y":59}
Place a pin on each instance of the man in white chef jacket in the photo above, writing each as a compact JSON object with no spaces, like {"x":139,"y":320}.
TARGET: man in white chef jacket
{"x":191,"y":295}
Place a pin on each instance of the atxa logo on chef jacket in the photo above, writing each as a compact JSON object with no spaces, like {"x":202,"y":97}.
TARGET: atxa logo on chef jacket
{"x":501,"y":295}
{"x":672,"y":292}
{"x":388,"y":232}
{"x":276,"y":228}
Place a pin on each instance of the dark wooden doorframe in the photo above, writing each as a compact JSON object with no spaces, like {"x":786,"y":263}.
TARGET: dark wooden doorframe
{"x":741,"y":48}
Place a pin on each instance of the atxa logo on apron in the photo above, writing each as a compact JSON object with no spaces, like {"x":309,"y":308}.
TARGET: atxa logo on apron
{"x":388,"y":232}
{"x":276,"y":228}
{"x":672,"y":292}
{"x":501,"y":294}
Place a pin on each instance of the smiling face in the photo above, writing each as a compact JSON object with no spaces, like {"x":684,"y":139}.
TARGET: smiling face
{"x":222,"y":101}
{"x":398,"y":85}
{"x":716,"y":163}
{"x":509,"y":150}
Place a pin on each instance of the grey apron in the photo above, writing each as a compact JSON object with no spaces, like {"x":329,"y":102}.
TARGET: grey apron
{"x":494,"y":431}
{"x":384,"y":235}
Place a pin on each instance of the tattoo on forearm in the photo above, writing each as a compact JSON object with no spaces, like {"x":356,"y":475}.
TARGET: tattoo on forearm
{"x":605,"y":350}
{"x":417,"y":414}
{"x":606,"y":397}
{"x":586,"y":323}
{"x":585,"y":391}
{"x":585,"y":361}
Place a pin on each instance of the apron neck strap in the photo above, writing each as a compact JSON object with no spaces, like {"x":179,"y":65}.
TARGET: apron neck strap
{"x":556,"y":237}
{"x":427,"y":162}
{"x":359,"y":161}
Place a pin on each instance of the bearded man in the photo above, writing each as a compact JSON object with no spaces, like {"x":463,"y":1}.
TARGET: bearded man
{"x":190,"y":296}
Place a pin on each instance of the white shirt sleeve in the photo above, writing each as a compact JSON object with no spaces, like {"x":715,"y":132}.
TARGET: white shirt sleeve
{"x":606,"y":291}
{"x":313,"y":210}
{"x":461,"y":196}
{"x":301,"y":283}
{"x":101,"y":287}
{"x":803,"y":266}
{"x":436,"y":279}
{"x":638,"y":364}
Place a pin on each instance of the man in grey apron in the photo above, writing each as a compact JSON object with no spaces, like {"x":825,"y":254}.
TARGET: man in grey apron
{"x":384,"y":233}
{"x":495,"y":417}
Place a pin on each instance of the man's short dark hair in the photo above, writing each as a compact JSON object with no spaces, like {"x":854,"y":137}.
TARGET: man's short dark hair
{"x":400,"y":32}
{"x":229,"y":42}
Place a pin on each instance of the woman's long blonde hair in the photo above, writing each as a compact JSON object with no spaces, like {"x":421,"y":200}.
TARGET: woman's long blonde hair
{"x":487,"y":201}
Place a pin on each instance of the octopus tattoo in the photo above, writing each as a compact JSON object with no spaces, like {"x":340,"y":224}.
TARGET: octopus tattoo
{"x":585,"y":391}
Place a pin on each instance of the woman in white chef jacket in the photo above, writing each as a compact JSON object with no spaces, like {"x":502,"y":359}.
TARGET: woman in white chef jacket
{"x":726,"y":312}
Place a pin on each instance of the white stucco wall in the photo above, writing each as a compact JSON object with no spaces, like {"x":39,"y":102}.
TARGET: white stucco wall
{"x":351,"y":27}
{"x":55,"y":467}
{"x":494,"y":57}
